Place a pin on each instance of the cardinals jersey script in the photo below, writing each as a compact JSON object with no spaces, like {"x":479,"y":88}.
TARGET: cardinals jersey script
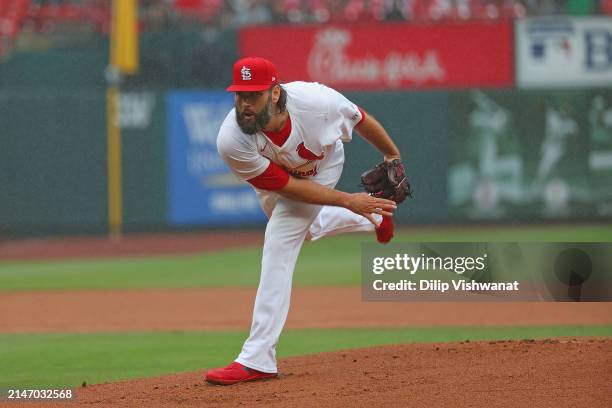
{"x":319,"y":119}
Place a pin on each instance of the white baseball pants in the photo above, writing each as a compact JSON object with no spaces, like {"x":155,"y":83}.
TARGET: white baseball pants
{"x":289,"y":223}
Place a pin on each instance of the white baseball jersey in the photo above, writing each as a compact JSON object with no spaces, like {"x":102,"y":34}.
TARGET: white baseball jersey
{"x":320,"y":116}
{"x":319,"y":119}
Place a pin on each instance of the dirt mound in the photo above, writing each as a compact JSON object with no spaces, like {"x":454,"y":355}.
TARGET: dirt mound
{"x":544,"y":373}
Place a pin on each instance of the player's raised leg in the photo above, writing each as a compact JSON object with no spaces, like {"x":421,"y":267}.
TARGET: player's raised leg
{"x":337,"y":220}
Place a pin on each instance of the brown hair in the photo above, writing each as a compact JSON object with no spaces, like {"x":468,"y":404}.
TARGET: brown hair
{"x":282,"y":100}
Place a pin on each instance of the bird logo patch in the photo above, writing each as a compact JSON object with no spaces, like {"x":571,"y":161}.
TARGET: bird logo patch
{"x":304,"y":153}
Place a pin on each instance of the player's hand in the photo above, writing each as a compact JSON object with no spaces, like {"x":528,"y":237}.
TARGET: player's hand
{"x":366,"y":205}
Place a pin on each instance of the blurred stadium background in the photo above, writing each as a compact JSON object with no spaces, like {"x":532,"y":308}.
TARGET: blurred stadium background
{"x":502,"y":110}
{"x":502,"y":116}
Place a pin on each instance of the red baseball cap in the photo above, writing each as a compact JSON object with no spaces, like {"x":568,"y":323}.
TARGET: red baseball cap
{"x":253,"y":74}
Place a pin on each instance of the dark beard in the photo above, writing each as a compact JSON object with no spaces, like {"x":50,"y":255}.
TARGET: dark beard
{"x":261,"y":120}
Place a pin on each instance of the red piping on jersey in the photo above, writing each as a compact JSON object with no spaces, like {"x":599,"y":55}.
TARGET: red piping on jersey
{"x":279,"y":138}
{"x":273,"y":178}
{"x":363,"y":115}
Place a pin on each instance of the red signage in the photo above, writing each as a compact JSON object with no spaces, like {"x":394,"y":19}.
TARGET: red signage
{"x":388,"y":56}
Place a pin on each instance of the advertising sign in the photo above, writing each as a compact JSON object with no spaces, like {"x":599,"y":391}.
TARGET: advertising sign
{"x":390,"y":56}
{"x":564,"y":52}
{"x":202,"y":189}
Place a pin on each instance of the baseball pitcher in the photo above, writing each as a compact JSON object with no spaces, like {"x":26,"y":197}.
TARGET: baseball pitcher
{"x":287,"y":142}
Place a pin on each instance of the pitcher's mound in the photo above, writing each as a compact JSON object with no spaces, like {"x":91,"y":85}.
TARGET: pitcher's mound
{"x":527,"y":373}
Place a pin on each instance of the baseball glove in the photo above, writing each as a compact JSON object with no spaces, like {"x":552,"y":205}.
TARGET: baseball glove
{"x":387,"y":180}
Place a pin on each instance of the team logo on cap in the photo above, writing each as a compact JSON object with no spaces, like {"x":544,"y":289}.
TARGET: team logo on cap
{"x":246,"y":73}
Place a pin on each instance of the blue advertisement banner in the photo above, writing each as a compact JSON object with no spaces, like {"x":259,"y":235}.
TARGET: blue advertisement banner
{"x":202,"y":189}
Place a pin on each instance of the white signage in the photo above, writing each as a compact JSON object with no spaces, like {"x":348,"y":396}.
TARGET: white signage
{"x":563,"y":52}
{"x":136,"y":109}
{"x":203,"y":121}
{"x":329,"y":62}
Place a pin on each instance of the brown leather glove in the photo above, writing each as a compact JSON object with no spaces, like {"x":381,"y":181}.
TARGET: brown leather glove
{"x":387,"y":180}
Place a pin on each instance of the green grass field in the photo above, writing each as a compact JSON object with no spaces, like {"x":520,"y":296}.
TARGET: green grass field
{"x":330,"y":261}
{"x":68,"y":359}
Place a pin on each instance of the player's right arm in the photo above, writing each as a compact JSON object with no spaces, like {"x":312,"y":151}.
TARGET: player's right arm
{"x":242,"y":156}
{"x":314,"y":193}
{"x":276,"y":179}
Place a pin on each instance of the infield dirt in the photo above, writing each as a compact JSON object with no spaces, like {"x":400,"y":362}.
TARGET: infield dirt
{"x":311,"y":307}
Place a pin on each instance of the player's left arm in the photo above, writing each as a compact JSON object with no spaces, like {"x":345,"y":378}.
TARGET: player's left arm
{"x":371,"y":130}
{"x":388,"y":179}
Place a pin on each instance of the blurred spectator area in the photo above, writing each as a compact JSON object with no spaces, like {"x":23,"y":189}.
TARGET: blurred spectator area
{"x":240,"y":12}
{"x":50,"y":16}
{"x":19,"y":17}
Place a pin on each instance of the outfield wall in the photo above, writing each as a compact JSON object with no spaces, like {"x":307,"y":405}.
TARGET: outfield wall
{"x":505,"y":155}
{"x":475,"y":151}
